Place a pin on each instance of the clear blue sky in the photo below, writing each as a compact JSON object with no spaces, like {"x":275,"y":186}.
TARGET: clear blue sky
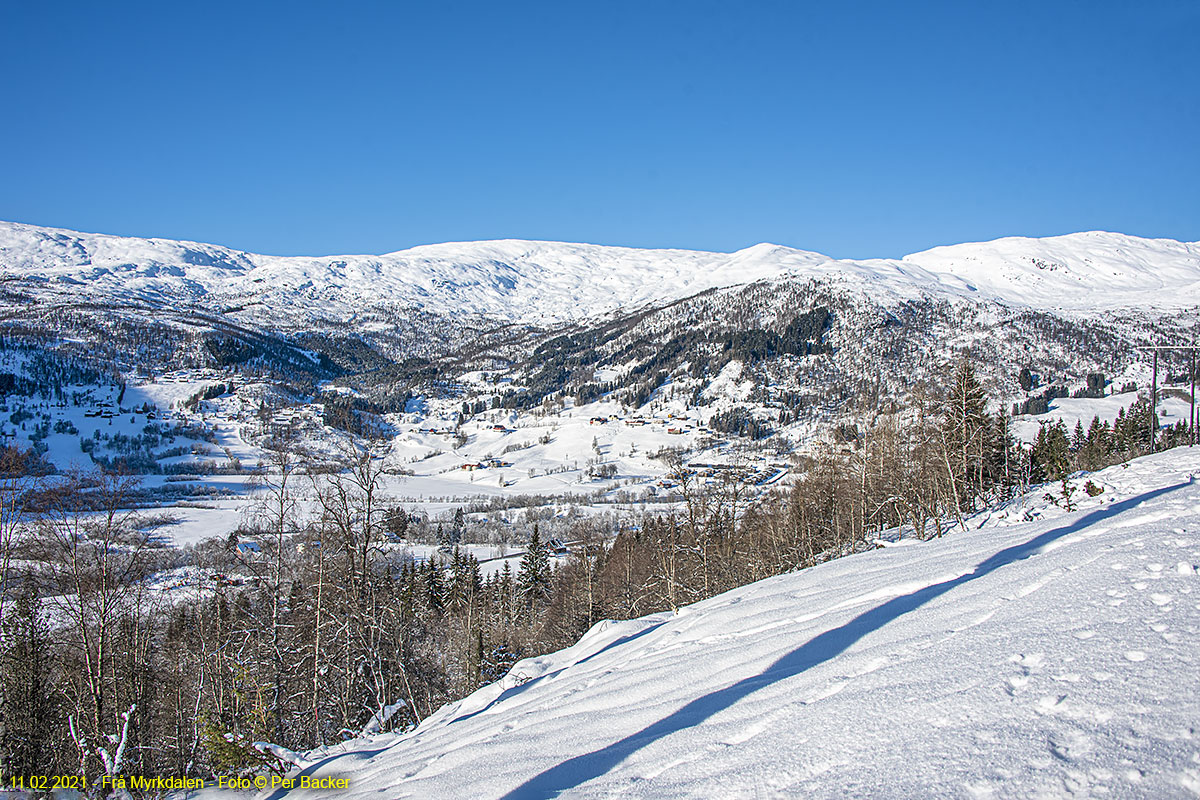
{"x":853,"y":128}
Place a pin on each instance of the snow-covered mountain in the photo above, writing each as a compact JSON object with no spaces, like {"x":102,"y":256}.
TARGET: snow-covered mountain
{"x":1056,"y":657}
{"x":549,"y":282}
{"x":1079,"y":271}
{"x":526,"y":281}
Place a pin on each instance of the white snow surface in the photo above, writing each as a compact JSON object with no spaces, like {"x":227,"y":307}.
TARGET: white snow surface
{"x":545,"y":282}
{"x":1054,"y":658}
{"x":1110,"y":269}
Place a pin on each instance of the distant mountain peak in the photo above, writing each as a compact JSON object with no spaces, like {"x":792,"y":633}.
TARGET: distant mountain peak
{"x":540,"y":281}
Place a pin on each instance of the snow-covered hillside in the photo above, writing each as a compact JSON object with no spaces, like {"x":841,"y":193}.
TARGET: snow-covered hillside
{"x":1079,"y":271}
{"x":512,"y":279}
{"x":547,"y":282}
{"x":1042,"y":654}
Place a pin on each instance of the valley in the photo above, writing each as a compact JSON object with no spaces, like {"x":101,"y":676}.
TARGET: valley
{"x":336,"y":494}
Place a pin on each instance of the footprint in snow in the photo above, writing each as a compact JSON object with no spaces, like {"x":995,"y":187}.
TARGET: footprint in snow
{"x":1016,"y":683}
{"x":1028,"y":662}
{"x":1135,"y":655}
{"x":1049,"y":704}
{"x":1070,"y":745}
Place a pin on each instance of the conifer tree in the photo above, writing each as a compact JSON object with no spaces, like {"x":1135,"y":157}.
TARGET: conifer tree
{"x":1078,"y":437}
{"x":466,"y":581}
{"x":1001,"y":452}
{"x":435,"y":585}
{"x":1051,"y":452}
{"x":964,"y":429}
{"x":1025,"y":379}
{"x":533,"y":576}
{"x":505,"y":590}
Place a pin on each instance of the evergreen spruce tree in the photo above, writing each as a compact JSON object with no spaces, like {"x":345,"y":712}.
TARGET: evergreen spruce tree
{"x":435,"y":585}
{"x":533,"y":576}
{"x":1001,"y":452}
{"x":1096,"y":446}
{"x":1051,"y":453}
{"x":964,"y":429}
{"x":505,"y":590}
{"x":460,"y":524}
{"x":466,"y":581}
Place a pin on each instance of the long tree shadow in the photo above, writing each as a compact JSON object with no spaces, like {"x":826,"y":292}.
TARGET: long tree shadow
{"x":513,"y":691}
{"x":819,"y":649}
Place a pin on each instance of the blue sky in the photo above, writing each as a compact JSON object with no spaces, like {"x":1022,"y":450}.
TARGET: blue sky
{"x":855,"y":128}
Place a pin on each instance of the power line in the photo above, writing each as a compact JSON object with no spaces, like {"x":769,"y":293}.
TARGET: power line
{"x":1191,"y":348}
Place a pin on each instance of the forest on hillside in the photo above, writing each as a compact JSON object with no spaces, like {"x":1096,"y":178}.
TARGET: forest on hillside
{"x":316,"y":629}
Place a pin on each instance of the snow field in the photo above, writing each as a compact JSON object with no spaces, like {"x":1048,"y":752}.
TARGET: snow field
{"x":547,"y":282}
{"x":1072,"y":410}
{"x":1049,"y":659}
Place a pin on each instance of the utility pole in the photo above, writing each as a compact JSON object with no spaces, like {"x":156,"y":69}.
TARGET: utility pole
{"x":1154,"y":402}
{"x":1192,"y":397}
{"x":1193,"y":420}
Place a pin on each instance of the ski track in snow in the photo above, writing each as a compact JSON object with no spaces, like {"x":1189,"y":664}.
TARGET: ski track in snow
{"x":1057,"y":658}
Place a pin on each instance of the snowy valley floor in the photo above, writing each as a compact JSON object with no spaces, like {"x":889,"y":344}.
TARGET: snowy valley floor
{"x":1053,"y":658}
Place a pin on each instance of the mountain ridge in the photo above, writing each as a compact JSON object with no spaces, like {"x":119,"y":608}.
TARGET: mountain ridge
{"x":541,"y":282}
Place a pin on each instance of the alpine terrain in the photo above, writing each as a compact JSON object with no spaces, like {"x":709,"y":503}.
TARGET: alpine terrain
{"x":521,"y":519}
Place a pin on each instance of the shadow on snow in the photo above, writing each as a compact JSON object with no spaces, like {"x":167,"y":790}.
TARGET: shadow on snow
{"x":513,"y":691}
{"x":580,"y":769}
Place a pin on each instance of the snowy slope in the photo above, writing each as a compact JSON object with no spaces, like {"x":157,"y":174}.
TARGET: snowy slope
{"x":511,"y":279}
{"x":1076,"y":271}
{"x":1052,"y":658}
{"x":541,"y":282}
